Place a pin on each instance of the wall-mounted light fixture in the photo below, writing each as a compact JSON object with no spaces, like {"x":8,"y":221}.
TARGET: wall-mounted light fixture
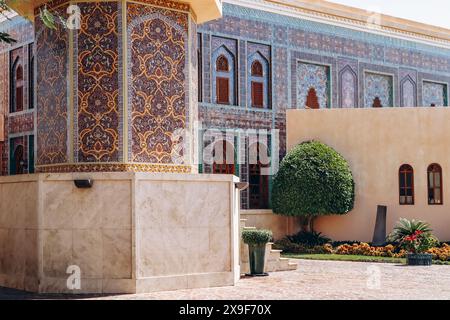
{"x":84,"y":183}
{"x":241,"y":186}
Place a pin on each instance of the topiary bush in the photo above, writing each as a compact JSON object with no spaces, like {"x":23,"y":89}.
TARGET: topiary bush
{"x":253,"y":236}
{"x":313,"y":180}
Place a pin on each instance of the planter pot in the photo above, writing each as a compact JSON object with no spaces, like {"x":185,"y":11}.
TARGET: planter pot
{"x":419,"y":259}
{"x":257,"y":254}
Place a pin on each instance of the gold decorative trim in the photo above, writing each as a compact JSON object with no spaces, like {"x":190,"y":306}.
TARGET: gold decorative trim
{"x":114,"y":167}
{"x":168,"y":4}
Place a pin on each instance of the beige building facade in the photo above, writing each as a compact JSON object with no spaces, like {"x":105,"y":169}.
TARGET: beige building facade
{"x":376,"y":143}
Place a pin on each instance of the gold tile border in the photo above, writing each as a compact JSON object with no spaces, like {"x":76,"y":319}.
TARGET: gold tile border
{"x":113,"y":167}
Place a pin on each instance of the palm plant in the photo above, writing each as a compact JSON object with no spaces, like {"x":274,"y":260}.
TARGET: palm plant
{"x":413,"y":235}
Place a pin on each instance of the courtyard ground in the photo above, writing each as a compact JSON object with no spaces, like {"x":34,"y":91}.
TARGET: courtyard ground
{"x":312,"y":280}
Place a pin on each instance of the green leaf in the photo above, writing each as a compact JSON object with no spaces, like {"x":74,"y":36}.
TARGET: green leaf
{"x":48,"y":18}
{"x":4,"y":37}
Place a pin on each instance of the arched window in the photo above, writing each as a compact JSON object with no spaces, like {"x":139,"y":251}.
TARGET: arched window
{"x":223,"y":158}
{"x":17,"y":103}
{"x":377,"y":103}
{"x":406,"y":184}
{"x":222,"y":80}
{"x":257,"y":85}
{"x":434,"y":173}
{"x":312,"y":101}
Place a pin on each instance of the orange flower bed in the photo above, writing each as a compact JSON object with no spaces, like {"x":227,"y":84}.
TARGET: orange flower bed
{"x":364,"y":249}
{"x":442,"y":253}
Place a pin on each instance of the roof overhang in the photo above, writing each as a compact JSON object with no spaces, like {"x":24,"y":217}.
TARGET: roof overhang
{"x":204,"y":10}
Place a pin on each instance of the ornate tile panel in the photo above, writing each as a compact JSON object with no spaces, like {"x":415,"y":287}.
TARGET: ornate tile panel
{"x":313,"y":76}
{"x":52,"y":70}
{"x":98,"y":113}
{"x":378,"y":85}
{"x":158,"y":90}
{"x":434,"y":94}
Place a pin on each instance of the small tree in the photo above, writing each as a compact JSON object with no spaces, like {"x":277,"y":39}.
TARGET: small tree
{"x":313,"y":180}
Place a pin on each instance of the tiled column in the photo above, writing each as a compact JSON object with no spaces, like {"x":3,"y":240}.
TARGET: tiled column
{"x":120,"y":93}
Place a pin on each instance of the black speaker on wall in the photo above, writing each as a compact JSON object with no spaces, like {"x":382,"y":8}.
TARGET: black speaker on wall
{"x":84,"y":184}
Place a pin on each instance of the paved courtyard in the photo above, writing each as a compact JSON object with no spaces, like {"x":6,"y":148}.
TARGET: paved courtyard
{"x":313,"y":280}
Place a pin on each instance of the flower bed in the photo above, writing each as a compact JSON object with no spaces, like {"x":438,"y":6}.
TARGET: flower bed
{"x":441,"y":253}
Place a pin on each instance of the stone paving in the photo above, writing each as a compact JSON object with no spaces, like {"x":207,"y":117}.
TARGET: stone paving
{"x":312,"y":280}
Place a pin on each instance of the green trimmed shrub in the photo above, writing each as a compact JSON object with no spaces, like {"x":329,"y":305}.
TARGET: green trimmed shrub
{"x":309,"y":239}
{"x":253,"y":236}
{"x":313,"y":180}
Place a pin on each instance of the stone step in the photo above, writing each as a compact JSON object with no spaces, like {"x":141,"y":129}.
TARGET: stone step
{"x":274,"y":261}
{"x":274,"y":255}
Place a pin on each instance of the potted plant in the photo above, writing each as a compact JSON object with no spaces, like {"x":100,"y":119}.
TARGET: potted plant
{"x":416,"y":238}
{"x":256,"y":241}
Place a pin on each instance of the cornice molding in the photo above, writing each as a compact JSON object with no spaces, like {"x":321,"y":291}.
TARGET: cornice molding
{"x":353,"y":18}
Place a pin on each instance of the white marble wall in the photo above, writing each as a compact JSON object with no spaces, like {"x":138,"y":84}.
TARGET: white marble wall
{"x":184,"y":232}
{"x":129,"y":232}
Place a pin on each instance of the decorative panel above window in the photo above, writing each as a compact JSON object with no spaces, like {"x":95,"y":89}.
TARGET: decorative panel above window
{"x":378,"y":90}
{"x":313,"y":78}
{"x":434,"y":94}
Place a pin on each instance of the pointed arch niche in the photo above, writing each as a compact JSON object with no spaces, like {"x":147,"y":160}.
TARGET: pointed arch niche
{"x":408,"y":93}
{"x":348,"y":88}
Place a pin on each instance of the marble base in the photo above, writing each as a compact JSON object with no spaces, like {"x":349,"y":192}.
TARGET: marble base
{"x":130,"y":232}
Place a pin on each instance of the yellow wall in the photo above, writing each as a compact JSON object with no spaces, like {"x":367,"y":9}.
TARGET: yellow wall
{"x":376,"y":142}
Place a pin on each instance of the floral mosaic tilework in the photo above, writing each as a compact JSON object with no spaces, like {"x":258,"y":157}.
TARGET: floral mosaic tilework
{"x":312,"y":76}
{"x":97,"y":125}
{"x":52,"y":56}
{"x":329,"y":63}
{"x":158,"y":90}
{"x":434,"y":94}
{"x":378,"y":86}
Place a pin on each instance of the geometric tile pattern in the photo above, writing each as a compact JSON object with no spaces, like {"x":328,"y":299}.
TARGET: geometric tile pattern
{"x":158,"y":45}
{"x":98,"y":83}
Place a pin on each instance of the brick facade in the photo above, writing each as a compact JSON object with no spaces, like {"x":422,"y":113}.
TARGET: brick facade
{"x":18,"y":126}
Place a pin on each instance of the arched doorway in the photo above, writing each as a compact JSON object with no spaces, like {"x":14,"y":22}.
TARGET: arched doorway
{"x":17,"y":162}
